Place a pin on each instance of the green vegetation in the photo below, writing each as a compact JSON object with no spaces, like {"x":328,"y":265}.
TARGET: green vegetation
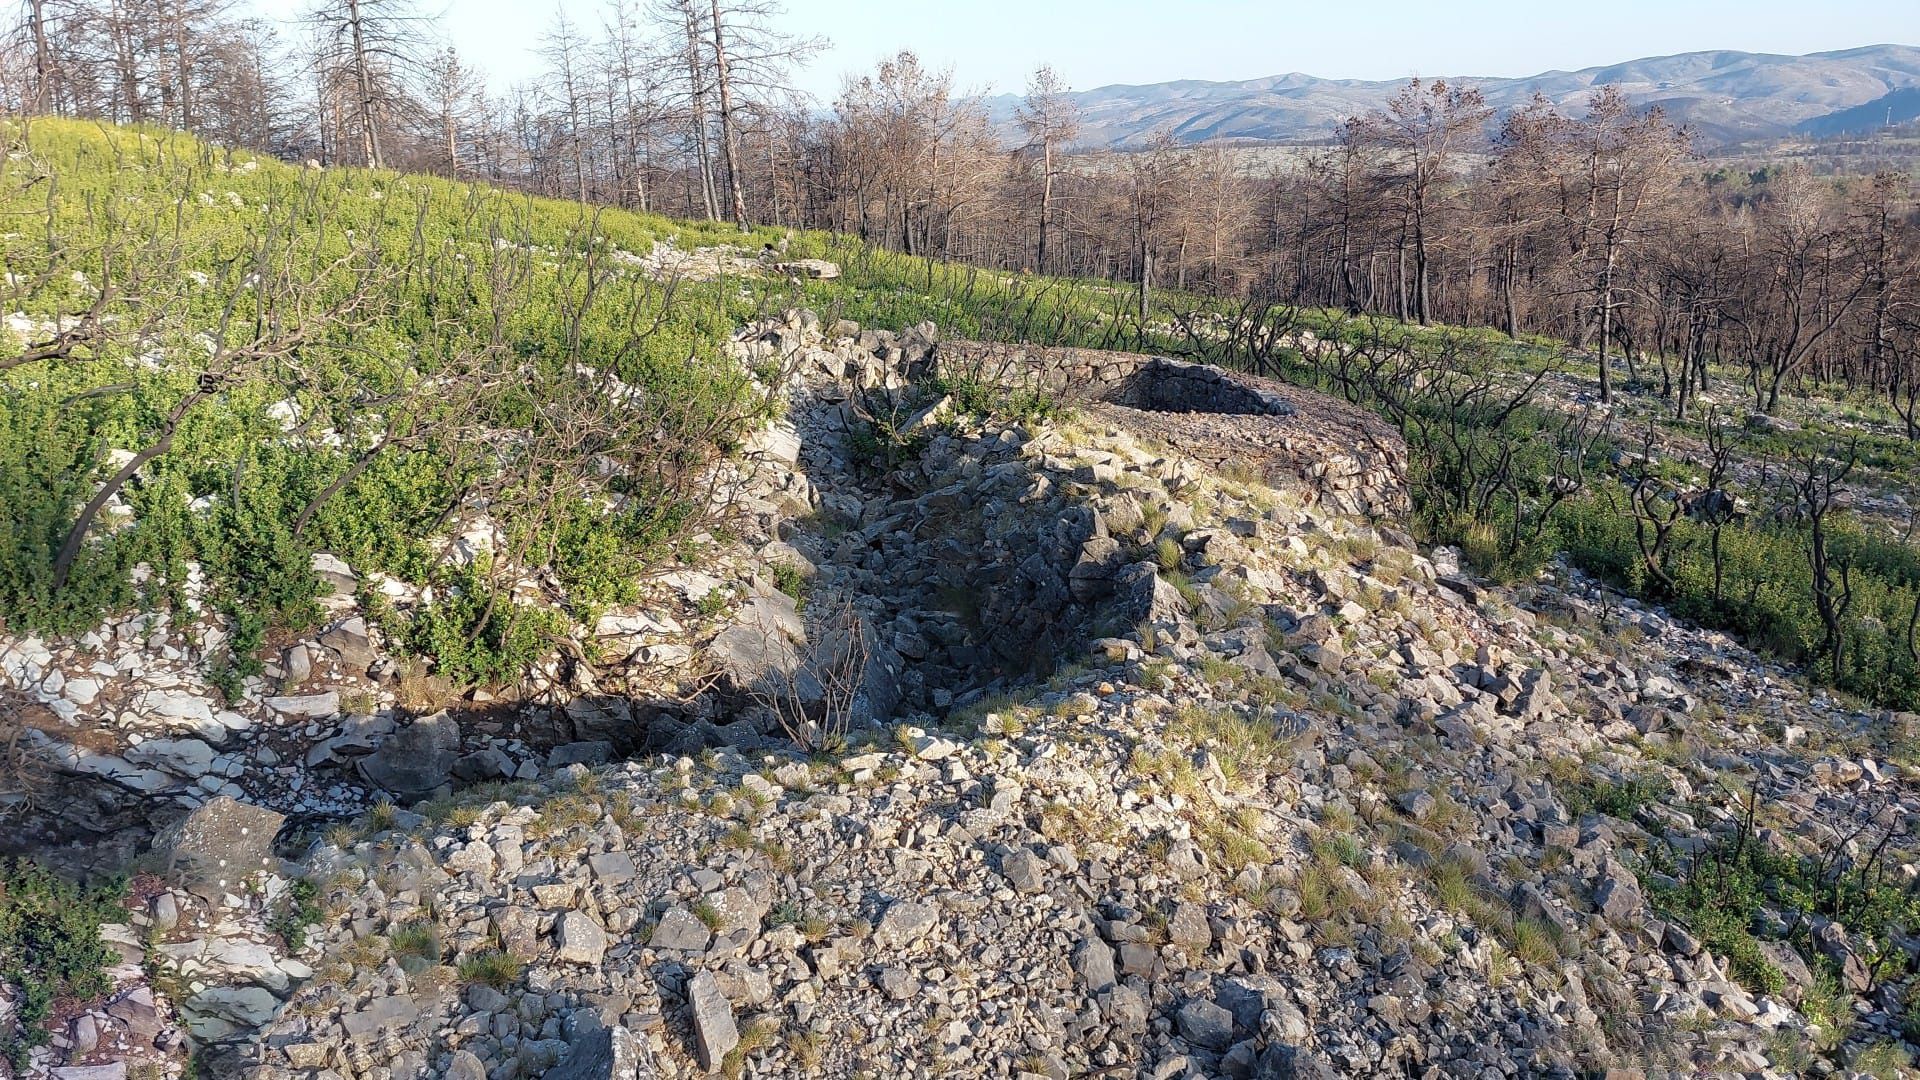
{"x":1734,"y":895}
{"x":493,"y":968}
{"x":1766,"y":590}
{"x":313,"y":360}
{"x":370,"y":334}
{"x":297,"y":910}
{"x":50,"y":947}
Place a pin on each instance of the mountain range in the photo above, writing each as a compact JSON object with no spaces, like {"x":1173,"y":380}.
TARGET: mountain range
{"x":1724,"y":97}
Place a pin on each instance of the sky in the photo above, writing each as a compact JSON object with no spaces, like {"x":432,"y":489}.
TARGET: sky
{"x":992,"y":45}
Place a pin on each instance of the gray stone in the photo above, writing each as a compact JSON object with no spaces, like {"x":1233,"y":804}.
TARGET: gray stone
{"x":713,"y":1026}
{"x":352,"y":640}
{"x":602,"y":1053}
{"x":415,"y":760}
{"x":1416,"y":804}
{"x":382,"y":1014}
{"x":1618,"y":898}
{"x":217,"y":846}
{"x":466,"y":1066}
{"x":680,"y":929}
{"x":190,"y":758}
{"x":611,"y":867}
{"x":85,"y":1034}
{"x":1830,"y":939}
{"x":113,"y":1071}
{"x":898,"y":983}
{"x":1025,"y":870}
{"x":1188,"y":928}
{"x":1143,"y":596}
{"x":1203,"y":1023}
{"x":246,"y":1006}
{"x":297,"y":665}
{"x":588,"y":752}
{"x":324,"y":704}
{"x":581,"y":940}
{"x":1093,"y":962}
{"x":905,"y":922}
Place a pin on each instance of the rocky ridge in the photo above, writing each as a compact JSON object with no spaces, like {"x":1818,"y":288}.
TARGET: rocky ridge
{"x":1289,"y":797}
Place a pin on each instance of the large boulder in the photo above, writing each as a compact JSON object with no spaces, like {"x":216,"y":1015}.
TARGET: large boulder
{"x":415,"y":760}
{"x":217,"y":846}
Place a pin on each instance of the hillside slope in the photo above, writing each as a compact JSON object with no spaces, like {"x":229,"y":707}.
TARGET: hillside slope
{"x":1725,"y":96}
{"x":1318,"y":806}
{"x":739,"y":661}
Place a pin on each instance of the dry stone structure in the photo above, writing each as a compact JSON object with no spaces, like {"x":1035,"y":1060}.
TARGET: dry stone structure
{"x":1347,"y":457}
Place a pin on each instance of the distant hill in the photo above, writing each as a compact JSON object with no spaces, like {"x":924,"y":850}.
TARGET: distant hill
{"x":1724,"y":96}
{"x":1890,"y":110}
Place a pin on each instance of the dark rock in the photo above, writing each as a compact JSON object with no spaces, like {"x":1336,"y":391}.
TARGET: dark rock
{"x":415,"y":760}
{"x":1093,"y":962}
{"x":603,"y":1053}
{"x":351,"y":639}
{"x":1618,"y":898}
{"x":1025,"y":870}
{"x":589,"y":752}
{"x":1203,"y":1023}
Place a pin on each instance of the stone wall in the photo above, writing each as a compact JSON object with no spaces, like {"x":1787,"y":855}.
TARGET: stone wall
{"x":1344,"y":455}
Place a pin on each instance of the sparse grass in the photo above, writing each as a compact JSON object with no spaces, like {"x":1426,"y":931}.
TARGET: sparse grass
{"x":365,"y":953}
{"x":1535,"y":942}
{"x":708,"y":915}
{"x":755,"y":1035}
{"x":1167,"y":554}
{"x":493,"y":968}
{"x":808,"y":1049}
{"x":1172,"y":770}
{"x":1883,"y":1061}
{"x":416,"y":939}
{"x":564,"y":813}
{"x":382,"y":816}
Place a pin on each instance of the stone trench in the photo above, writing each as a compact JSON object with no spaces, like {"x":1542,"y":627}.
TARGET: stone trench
{"x":977,"y":557}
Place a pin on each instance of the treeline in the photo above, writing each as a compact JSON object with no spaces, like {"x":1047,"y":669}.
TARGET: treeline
{"x":1599,"y":229}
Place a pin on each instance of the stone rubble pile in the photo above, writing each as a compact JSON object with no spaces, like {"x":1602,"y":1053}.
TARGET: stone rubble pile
{"x":1159,"y":770}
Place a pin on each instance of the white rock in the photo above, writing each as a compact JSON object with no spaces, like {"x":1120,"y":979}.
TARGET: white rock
{"x":324,"y":704}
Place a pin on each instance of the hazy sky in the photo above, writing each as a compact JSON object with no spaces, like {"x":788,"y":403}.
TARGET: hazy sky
{"x":994,"y":44}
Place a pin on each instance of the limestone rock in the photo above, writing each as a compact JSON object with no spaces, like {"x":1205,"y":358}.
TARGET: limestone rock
{"x":713,"y":1025}
{"x":218,"y":846}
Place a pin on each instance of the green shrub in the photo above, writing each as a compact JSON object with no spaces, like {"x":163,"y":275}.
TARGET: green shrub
{"x":297,"y":910}
{"x":50,"y":946}
{"x":475,"y":633}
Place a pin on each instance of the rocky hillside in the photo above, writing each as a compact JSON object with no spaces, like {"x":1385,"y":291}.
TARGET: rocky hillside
{"x":1008,"y":728}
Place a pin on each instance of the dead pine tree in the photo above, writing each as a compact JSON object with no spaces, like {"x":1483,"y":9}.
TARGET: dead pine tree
{"x":1817,"y":484}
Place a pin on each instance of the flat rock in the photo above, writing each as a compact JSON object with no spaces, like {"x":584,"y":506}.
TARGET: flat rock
{"x":905,"y":922}
{"x":581,"y":940}
{"x":680,"y":929}
{"x":217,"y":846}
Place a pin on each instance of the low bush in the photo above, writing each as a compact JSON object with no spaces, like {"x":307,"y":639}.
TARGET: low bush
{"x":50,"y":947}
